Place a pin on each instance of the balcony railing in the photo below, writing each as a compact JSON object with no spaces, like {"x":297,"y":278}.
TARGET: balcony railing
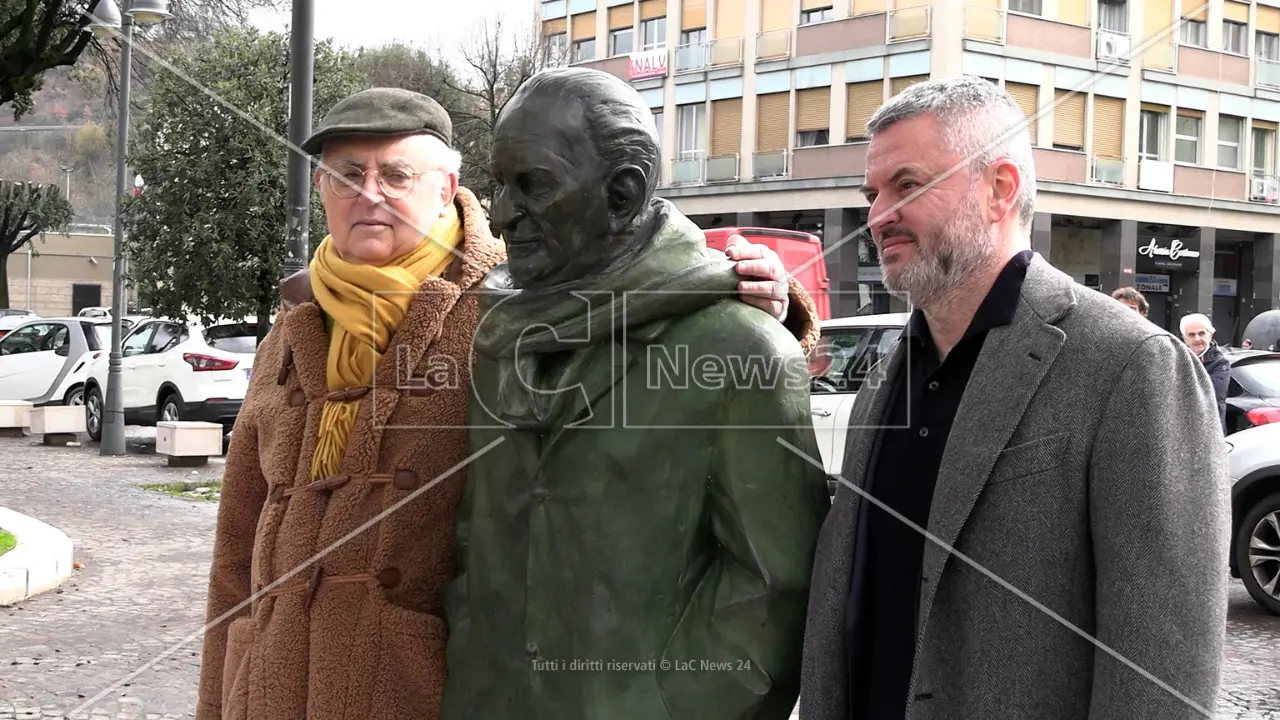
{"x":723,"y":169}
{"x":1155,"y":175}
{"x":1109,"y":170}
{"x":689,"y":168}
{"x":773,"y":45}
{"x":1161,"y":55}
{"x":1268,"y":73}
{"x":1114,"y":47}
{"x":908,"y":23}
{"x":770,"y":165}
{"x":726,"y":52}
{"x":692,"y":57}
{"x":984,"y":24}
{"x":1264,"y":188}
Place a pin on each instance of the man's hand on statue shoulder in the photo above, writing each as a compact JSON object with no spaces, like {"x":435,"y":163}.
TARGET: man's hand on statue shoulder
{"x":766,"y":283}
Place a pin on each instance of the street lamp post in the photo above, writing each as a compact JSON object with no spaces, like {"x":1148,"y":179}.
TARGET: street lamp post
{"x":301,"y":71}
{"x":107,"y":19}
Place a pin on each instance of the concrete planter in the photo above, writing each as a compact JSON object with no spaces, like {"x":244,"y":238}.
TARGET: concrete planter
{"x":58,"y":423}
{"x":41,"y":561}
{"x":15,"y":417}
{"x":188,"y":443}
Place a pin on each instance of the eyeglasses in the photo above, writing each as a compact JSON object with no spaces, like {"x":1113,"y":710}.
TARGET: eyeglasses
{"x":394,"y":182}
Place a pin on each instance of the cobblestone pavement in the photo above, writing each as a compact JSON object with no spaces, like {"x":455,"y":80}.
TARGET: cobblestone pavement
{"x":142,"y":588}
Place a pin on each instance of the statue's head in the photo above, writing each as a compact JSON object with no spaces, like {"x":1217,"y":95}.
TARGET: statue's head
{"x":575,"y":155}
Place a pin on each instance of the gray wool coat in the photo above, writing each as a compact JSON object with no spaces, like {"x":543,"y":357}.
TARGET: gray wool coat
{"x":1084,"y":491}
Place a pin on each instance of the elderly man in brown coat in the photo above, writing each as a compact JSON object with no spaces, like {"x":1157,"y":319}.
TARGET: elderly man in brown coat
{"x":335,"y":531}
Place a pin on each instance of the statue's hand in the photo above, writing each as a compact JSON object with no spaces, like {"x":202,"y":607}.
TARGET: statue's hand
{"x":767,"y":289}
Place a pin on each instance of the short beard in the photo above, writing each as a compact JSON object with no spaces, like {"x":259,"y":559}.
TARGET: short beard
{"x":955,"y":252}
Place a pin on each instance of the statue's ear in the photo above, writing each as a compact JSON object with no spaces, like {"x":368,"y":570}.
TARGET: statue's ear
{"x":626,"y":190}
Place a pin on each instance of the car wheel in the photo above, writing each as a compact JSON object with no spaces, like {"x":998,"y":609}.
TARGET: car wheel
{"x":93,"y":412}
{"x":75,"y":396}
{"x":1258,"y":553}
{"x":171,"y":409}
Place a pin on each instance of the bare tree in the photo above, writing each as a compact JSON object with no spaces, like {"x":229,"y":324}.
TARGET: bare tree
{"x":498,"y":55}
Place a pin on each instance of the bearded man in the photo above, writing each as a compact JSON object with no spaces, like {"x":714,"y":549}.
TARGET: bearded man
{"x":636,"y":538}
{"x":335,"y":528}
{"x":1058,"y":450}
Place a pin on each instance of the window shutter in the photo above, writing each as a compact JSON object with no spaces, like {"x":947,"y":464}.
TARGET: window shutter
{"x":726,"y":127}
{"x":864,"y":99}
{"x":693,"y":15}
{"x":1068,"y":119}
{"x":867,"y":7}
{"x":898,"y":84}
{"x":1264,"y":124}
{"x":621,"y":17}
{"x":650,"y":9}
{"x":1195,"y":10}
{"x":584,"y":26}
{"x":730,"y":21}
{"x":776,"y":15}
{"x":1268,"y":19}
{"x":1234,"y":11}
{"x":1076,"y":12}
{"x":555,"y":27}
{"x":814,"y":4}
{"x":813,"y":109}
{"x":1188,"y":112}
{"x":1108,"y":127}
{"x":1025,"y":97}
{"x":772,"y":124}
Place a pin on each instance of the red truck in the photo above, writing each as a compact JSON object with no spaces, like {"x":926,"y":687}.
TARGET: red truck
{"x":800,"y":252}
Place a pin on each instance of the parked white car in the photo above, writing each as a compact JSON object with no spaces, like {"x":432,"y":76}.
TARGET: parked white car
{"x":45,"y":361}
{"x":1253,"y":458}
{"x":11,"y":318}
{"x":848,"y":350}
{"x":177,"y":370}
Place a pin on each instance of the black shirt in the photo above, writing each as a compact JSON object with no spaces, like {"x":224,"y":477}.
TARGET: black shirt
{"x":884,"y":595}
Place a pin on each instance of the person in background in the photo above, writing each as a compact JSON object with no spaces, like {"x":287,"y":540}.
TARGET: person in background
{"x":1134,"y":299}
{"x":1197,"y":332}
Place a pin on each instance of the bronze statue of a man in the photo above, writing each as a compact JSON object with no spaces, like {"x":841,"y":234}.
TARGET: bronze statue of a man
{"x":637,"y":532}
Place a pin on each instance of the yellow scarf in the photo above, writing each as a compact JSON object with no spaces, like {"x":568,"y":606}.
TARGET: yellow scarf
{"x":366,"y":304}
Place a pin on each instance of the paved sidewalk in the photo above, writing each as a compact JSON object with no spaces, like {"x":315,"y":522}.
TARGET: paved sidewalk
{"x":142,"y":589}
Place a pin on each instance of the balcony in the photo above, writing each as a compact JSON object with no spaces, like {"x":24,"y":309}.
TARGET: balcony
{"x":694,"y":57}
{"x":984,"y":24}
{"x":723,"y":169}
{"x":1213,"y":65}
{"x":770,"y":165}
{"x":1209,"y":182}
{"x":773,"y":45}
{"x":1036,"y":33}
{"x":828,"y":161}
{"x":1155,"y":175}
{"x":908,"y":24}
{"x":1106,"y":170}
{"x":726,"y":52}
{"x":1161,"y":55}
{"x":1069,"y":166}
{"x":616,"y":66}
{"x":689,"y":168}
{"x":1114,"y":47}
{"x":1268,"y":73}
{"x":840,"y":35}
{"x":1264,"y":189}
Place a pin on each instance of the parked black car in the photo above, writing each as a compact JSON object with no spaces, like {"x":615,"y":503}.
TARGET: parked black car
{"x":1253,"y":395}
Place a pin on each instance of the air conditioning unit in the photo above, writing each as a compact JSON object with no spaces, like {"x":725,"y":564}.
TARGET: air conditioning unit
{"x":1113,"y":46}
{"x":1262,"y":189}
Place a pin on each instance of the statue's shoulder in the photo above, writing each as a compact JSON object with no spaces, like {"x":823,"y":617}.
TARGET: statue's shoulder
{"x":732,"y":326}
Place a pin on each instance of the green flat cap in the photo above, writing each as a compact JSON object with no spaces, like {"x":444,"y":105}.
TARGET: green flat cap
{"x":382,"y":111}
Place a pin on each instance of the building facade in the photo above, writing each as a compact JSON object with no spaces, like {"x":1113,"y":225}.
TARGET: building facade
{"x":62,"y":273}
{"x":1154,"y":124}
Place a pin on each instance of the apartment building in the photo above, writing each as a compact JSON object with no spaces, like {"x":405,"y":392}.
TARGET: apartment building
{"x":1154,"y":124}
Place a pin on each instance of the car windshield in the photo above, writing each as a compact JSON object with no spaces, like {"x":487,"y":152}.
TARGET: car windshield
{"x":235,"y":337}
{"x":1261,"y":378}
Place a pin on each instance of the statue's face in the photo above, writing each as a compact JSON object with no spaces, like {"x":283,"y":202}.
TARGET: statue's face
{"x":552,"y":205}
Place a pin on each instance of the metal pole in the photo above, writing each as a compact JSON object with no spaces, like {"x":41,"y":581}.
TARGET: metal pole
{"x":302,"y":62}
{"x":113,"y":410}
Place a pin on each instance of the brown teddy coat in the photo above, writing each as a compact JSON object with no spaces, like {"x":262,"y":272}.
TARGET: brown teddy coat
{"x":325,"y":596}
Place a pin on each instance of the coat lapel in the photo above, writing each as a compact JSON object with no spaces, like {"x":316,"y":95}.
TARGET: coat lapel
{"x":1014,"y":361}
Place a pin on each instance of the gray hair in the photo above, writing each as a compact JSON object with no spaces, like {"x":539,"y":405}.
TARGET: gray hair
{"x":443,"y":157}
{"x":978,"y":118}
{"x":1195,"y":317}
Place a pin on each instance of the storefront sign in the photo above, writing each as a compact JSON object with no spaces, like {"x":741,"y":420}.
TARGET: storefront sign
{"x":1149,"y":283}
{"x":1225,"y":287}
{"x":1169,"y":254}
{"x":647,"y":64}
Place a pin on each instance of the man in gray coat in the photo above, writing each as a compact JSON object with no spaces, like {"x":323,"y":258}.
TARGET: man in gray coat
{"x":1033,"y":516}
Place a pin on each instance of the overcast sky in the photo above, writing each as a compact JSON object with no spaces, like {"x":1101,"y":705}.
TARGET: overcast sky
{"x":416,"y":22}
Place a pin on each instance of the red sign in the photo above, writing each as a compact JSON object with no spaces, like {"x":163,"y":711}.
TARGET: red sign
{"x":648,"y":64}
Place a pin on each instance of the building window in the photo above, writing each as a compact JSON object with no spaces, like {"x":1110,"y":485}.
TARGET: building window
{"x":693,"y":37}
{"x":1113,"y":16}
{"x":620,"y":41}
{"x":1267,"y":45}
{"x":1230,"y":130}
{"x":691,"y":130}
{"x":584,"y":50}
{"x":1235,"y":37}
{"x":1151,"y":129}
{"x":1264,"y":151}
{"x":1193,"y":32}
{"x":653,"y":34}
{"x":819,"y":15}
{"x":1029,"y":7}
{"x":1186,"y":140}
{"x":810,"y":138}
{"x":553,"y":48}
